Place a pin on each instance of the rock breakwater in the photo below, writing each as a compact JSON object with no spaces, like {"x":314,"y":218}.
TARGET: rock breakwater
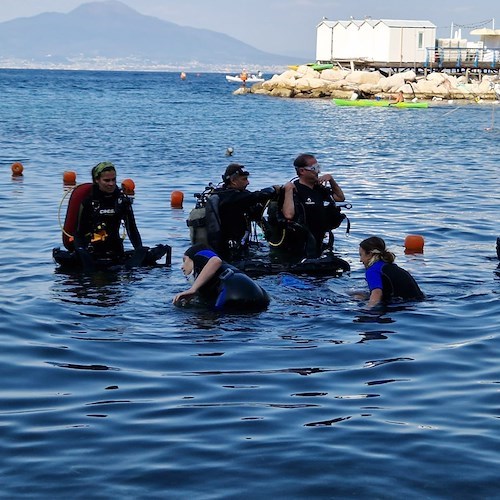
{"x":304,"y":82}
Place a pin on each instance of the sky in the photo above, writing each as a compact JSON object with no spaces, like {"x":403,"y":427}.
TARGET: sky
{"x":285,"y":27}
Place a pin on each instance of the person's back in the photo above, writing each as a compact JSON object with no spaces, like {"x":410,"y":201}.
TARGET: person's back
{"x":218,"y":283}
{"x":399,"y":283}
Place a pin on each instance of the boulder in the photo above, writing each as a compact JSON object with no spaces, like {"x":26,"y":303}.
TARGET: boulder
{"x":281,"y":92}
{"x":392,"y":83}
{"x":334,"y":74}
{"x":361,"y":77}
{"x":309,"y":83}
{"x":409,"y":75}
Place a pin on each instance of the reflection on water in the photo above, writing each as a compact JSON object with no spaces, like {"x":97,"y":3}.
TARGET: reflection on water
{"x":110,"y":390}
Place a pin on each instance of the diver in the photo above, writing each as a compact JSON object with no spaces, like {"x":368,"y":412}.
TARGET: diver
{"x":307,"y":212}
{"x":236,"y":207}
{"x":386,"y":280}
{"x":220,"y":285}
{"x":97,"y":236}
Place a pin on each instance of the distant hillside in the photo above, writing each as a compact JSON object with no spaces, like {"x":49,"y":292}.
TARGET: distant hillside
{"x":113,"y":31}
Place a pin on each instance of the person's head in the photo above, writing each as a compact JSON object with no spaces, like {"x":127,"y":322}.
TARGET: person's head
{"x":236,"y":177}
{"x":307,"y":167}
{"x":188,"y":258}
{"x":373,"y":249}
{"x":104,"y":176}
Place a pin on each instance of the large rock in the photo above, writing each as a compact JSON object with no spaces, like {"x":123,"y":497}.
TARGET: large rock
{"x":361,"y":77}
{"x":334,"y":74}
{"x":308,"y":83}
{"x":392,"y":83}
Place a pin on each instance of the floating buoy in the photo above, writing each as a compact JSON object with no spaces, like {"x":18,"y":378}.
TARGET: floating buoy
{"x":183,"y":76}
{"x":128,"y":186}
{"x":176,"y":199}
{"x":69,"y":177}
{"x":17,"y":169}
{"x":229,"y":151}
{"x":414,"y":243}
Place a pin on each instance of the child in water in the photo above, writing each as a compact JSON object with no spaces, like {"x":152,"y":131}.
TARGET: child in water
{"x":386,"y":280}
{"x":221,"y":285}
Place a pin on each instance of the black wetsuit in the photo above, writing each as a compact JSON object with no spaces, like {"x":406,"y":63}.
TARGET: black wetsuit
{"x":315,"y":214}
{"x":229,"y":288}
{"x":394,"y":281}
{"x":103,"y":213}
{"x":236,"y":209}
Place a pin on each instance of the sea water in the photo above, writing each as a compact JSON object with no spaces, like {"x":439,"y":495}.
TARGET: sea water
{"x":109,"y":391}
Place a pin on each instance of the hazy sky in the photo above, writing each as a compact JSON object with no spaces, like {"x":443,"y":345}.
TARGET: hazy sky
{"x":286,"y":27}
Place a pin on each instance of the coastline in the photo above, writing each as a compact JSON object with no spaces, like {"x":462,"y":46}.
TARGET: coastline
{"x":305,"y":82}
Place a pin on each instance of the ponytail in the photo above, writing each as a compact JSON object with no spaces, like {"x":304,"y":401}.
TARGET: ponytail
{"x":376,"y":246}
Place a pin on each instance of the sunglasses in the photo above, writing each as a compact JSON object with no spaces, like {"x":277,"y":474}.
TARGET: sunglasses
{"x":313,"y":168}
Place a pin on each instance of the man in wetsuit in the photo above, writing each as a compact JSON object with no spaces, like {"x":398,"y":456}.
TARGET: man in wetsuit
{"x":236,"y":207}
{"x":310,"y":204}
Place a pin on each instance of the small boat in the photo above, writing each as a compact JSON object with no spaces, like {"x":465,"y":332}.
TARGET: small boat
{"x":315,"y":66}
{"x":380,"y":103}
{"x":250,"y":79}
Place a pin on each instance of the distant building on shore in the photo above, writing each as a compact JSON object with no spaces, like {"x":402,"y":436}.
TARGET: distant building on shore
{"x":403,"y":44}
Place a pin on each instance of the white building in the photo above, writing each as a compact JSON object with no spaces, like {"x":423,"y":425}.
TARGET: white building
{"x":374,"y":40}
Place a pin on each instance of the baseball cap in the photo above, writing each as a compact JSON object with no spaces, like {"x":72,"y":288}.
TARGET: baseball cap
{"x":234,"y":169}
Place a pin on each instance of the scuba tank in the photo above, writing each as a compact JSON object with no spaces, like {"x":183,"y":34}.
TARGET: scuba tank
{"x":197,"y":219}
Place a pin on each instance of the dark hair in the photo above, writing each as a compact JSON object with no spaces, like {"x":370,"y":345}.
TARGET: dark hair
{"x":376,"y":246}
{"x":302,"y":161}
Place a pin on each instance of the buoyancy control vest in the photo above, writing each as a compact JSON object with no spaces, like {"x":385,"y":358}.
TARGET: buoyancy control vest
{"x":204,"y":219}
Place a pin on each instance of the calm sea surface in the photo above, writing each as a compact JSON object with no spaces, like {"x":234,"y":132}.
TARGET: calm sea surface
{"x":108,"y":391}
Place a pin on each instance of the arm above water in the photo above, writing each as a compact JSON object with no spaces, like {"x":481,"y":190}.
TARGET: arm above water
{"x":206,"y":274}
{"x":288,"y":208}
{"x":375,"y":298}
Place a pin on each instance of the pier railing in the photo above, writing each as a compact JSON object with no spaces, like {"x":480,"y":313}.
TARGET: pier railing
{"x":454,"y":57}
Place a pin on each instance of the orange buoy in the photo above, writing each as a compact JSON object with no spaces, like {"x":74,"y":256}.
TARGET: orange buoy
{"x":414,"y":243}
{"x":176,"y":199}
{"x":17,"y":169}
{"x":128,"y":186}
{"x":69,"y":177}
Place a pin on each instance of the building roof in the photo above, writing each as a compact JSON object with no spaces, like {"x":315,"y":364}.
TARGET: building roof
{"x":391,"y":23}
{"x":485,"y":32}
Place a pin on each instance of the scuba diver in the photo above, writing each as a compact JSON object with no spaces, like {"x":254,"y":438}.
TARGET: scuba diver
{"x":97,"y":240}
{"x":234,"y":208}
{"x":386,"y":280}
{"x":220,"y":285}
{"x":306,"y":212}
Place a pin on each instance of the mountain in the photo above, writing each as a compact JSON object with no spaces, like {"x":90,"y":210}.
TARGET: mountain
{"x":112,"y":31}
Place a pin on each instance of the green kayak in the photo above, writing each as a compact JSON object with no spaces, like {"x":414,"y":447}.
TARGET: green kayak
{"x":380,"y":103}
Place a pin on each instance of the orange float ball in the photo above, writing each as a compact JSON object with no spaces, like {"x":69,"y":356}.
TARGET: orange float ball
{"x":69,"y":177}
{"x":17,"y":169}
{"x":414,"y":243}
{"x":176,"y":199}
{"x":128,"y":186}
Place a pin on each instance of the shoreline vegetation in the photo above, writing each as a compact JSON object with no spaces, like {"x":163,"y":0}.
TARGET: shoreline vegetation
{"x":305,"y":82}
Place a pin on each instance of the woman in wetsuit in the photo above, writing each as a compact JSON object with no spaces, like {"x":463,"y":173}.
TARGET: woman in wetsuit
{"x":386,"y":280}
{"x":221,"y":285}
{"x":97,"y":235}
